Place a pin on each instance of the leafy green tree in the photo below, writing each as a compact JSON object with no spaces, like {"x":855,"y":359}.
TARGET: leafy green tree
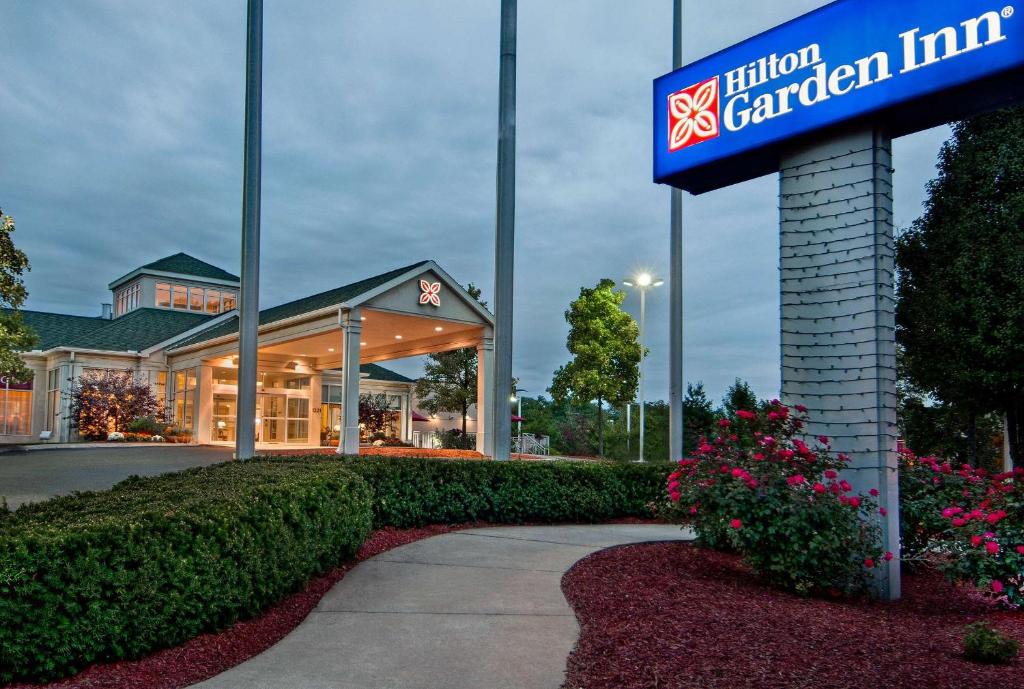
{"x":15,"y":335}
{"x":960,"y":313}
{"x":606,"y":354}
{"x":450,"y":378}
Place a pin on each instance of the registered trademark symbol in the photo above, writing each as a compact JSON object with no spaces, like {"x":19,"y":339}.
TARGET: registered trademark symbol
{"x":1007,"y":11}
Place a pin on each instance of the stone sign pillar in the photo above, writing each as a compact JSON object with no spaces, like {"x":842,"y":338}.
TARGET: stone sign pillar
{"x":838,"y":312}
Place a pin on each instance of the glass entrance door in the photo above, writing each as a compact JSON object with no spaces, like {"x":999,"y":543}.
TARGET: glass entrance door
{"x":270,"y":410}
{"x":330,"y":424}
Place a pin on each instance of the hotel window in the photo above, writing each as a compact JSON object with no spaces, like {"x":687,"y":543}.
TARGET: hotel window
{"x":196,"y":299}
{"x":212,"y":301}
{"x":186,"y":298}
{"x":225,"y":376}
{"x":52,"y":399}
{"x":180,"y":297}
{"x":298,"y":419}
{"x":224,"y":417}
{"x":127,"y":299}
{"x":16,"y":408}
{"x":159,"y":385}
{"x":163,"y":295}
{"x":185,"y":398}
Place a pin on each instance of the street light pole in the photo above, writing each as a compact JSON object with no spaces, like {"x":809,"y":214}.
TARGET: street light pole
{"x":248,"y":306}
{"x":642,"y":282}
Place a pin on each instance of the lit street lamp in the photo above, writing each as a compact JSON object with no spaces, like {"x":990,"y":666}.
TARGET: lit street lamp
{"x":517,"y":399}
{"x":643,"y":282}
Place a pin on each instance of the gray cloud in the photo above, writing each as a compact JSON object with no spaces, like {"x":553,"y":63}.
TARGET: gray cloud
{"x":122,"y":130}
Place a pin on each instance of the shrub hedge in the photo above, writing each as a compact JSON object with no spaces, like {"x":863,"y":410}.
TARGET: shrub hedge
{"x":414,"y":492}
{"x":156,"y":561}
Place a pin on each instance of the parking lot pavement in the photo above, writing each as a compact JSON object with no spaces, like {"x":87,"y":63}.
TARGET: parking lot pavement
{"x":40,"y":474}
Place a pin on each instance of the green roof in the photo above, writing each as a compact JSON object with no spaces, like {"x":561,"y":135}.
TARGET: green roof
{"x":135,"y":330}
{"x":182,"y":264}
{"x":298,"y":307}
{"x":61,"y":330}
{"x":376,"y":372}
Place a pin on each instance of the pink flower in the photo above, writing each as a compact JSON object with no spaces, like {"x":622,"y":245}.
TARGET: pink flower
{"x":845,"y":485}
{"x":952,"y":511}
{"x":959,"y":522}
{"x":724,"y":423}
{"x":997,"y":586}
{"x":976,"y":541}
{"x":823,"y":439}
{"x":831,"y":473}
{"x":855,"y":501}
{"x":1020,"y":549}
{"x":820,"y":488}
{"x":869,"y":563}
{"x":873,"y":492}
{"x":736,"y":524}
{"x":744,"y":414}
{"x":796,"y":480}
{"x":673,"y":486}
{"x":801,"y":408}
{"x":887,"y":556}
{"x":674,"y":496}
{"x":992,"y":547}
{"x":884,"y":512}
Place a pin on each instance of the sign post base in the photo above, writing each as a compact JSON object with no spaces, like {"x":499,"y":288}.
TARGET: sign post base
{"x":838,"y":312}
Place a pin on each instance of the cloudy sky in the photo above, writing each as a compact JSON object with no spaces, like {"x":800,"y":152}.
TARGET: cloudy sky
{"x":121,"y":130}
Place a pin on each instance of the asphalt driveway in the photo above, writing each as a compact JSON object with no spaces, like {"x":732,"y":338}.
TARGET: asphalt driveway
{"x":36,"y":475}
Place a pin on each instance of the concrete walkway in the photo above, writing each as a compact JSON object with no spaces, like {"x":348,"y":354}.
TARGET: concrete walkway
{"x":477,"y":609}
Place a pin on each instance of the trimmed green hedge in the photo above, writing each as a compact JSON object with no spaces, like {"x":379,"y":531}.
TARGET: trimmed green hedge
{"x":156,"y":561}
{"x":415,"y":492}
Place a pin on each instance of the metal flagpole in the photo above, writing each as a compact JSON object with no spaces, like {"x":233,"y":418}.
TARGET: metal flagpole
{"x":505,"y":235}
{"x":248,"y":306}
{"x":677,"y":378}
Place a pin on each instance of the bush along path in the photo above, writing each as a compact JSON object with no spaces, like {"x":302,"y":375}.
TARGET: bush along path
{"x":151,"y":563}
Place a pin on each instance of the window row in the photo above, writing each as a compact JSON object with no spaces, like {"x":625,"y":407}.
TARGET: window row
{"x":186,"y":298}
{"x":127,"y":299}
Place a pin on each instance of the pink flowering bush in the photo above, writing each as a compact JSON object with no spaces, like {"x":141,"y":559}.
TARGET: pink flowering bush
{"x":759,"y":489}
{"x":985,"y":542}
{"x":929,"y":489}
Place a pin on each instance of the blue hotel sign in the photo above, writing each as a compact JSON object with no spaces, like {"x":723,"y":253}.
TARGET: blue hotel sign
{"x":900,"y":65}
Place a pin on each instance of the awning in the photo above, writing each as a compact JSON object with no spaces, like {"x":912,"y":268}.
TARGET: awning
{"x":416,"y":416}
{"x":517,"y":418}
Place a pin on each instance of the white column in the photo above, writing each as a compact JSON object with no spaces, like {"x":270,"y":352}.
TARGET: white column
{"x":485,"y":397}
{"x":838,"y":322}
{"x":352,"y":330}
{"x":204,"y":405}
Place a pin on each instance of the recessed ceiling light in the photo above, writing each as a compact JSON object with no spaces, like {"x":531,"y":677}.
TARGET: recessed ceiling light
{"x":438,"y":328}
{"x":362,"y":318}
{"x":362,"y":344}
{"x":398,"y":337}
{"x":330,"y":349}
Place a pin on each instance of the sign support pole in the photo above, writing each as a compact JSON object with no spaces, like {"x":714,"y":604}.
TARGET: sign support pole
{"x":677,"y":378}
{"x":838,"y":313}
{"x":249,"y":309}
{"x":505,"y":236}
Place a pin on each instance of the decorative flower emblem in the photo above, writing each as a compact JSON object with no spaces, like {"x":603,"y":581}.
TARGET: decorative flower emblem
{"x":430,"y":293}
{"x":693,"y":115}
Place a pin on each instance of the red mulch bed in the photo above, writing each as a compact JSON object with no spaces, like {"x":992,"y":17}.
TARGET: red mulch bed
{"x":210,"y":654}
{"x":670,"y":615}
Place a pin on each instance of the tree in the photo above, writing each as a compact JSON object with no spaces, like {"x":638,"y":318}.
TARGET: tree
{"x":106,"y":401}
{"x":15,"y":335}
{"x":450,"y":378}
{"x":375,"y":415}
{"x":960,"y":312}
{"x":739,"y":396}
{"x":606,"y":354}
{"x":698,"y":417}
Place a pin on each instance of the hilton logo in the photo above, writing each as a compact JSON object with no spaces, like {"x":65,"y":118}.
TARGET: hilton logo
{"x":430,"y":293}
{"x":693,"y":115}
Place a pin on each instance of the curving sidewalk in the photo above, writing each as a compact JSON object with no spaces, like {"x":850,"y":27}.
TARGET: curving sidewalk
{"x":476,"y":609}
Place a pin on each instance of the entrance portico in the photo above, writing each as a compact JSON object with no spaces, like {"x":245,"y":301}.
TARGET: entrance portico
{"x":317,"y":354}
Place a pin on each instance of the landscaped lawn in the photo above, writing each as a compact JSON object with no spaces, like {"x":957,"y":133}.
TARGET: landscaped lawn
{"x":675,"y":616}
